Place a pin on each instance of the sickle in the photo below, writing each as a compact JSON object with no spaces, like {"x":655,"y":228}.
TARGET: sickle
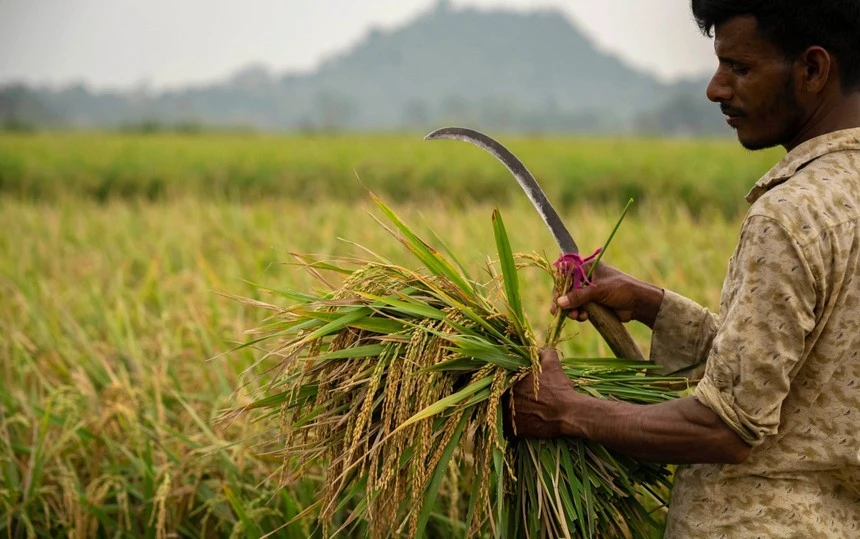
{"x":604,"y":320}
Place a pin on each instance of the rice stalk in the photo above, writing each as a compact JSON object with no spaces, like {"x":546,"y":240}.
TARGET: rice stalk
{"x":393,"y":383}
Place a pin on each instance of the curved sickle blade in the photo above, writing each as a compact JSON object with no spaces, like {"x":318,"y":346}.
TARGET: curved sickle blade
{"x":607,"y":324}
{"x":521,"y":173}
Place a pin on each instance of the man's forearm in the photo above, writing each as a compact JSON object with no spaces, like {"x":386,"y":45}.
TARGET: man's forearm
{"x":677,"y":432}
{"x":651,"y":297}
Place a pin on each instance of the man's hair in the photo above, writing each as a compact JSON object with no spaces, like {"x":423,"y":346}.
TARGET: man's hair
{"x":795,"y":25}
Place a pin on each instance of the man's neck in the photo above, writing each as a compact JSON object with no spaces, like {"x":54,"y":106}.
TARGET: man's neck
{"x":827,"y":119}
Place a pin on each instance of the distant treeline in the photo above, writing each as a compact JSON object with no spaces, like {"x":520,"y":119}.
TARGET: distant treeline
{"x":683,"y":114}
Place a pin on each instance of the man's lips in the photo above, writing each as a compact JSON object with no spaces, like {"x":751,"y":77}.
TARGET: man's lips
{"x":734,"y":120}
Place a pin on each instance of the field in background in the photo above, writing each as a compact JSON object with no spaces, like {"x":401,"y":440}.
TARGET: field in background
{"x":699,"y":174}
{"x":113,"y":318}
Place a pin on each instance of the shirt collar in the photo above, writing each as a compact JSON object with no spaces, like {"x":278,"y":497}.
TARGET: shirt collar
{"x":803,"y":154}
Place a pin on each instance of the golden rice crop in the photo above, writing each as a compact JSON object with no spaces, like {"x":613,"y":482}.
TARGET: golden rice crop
{"x":392,"y":380}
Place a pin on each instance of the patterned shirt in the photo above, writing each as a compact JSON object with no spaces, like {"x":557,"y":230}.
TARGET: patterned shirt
{"x":780,"y":364}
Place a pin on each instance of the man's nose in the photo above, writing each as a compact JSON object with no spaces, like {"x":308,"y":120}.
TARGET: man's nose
{"x":718,"y":90}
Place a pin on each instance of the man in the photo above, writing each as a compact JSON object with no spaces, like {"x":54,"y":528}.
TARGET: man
{"x":769,"y":443}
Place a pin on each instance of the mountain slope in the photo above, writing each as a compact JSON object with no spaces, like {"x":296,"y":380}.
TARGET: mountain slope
{"x":496,"y":70}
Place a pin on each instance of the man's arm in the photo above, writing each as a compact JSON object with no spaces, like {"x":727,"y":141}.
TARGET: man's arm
{"x":677,"y":432}
{"x":769,"y":310}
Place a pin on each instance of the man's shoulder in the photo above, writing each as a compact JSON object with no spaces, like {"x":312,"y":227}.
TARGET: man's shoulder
{"x":823,"y":194}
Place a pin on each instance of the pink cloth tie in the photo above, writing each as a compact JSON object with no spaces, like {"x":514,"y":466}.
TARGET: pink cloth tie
{"x":572,"y":264}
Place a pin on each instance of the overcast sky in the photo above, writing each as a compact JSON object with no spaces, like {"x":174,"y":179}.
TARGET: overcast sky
{"x":167,"y":43}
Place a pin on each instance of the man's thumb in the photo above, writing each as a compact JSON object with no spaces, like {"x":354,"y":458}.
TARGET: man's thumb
{"x":576,"y":297}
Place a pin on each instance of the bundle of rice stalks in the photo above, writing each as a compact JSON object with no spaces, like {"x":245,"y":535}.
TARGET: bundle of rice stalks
{"x":392,"y":382}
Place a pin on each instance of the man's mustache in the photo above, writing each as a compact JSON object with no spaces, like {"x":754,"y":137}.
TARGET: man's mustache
{"x":731,"y":111}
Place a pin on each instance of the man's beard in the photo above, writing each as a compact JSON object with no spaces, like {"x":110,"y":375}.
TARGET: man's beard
{"x":784,"y":106}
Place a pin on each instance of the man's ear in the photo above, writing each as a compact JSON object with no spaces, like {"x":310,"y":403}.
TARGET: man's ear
{"x":818,"y":69}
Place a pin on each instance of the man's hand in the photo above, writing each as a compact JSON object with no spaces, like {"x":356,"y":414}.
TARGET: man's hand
{"x":630,"y":298}
{"x":543,"y":415}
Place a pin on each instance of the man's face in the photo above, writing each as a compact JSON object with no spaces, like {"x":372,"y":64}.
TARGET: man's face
{"x":755,"y":86}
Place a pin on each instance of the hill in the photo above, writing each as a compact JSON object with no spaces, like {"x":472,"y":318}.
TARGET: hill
{"x":496,"y":70}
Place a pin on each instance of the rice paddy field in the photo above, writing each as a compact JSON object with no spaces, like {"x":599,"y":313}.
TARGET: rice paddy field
{"x":122,"y":257}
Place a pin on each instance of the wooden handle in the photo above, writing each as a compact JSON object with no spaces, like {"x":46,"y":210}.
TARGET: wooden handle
{"x":613,"y":331}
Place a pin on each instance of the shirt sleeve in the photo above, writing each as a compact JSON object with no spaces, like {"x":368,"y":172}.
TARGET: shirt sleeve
{"x":767,"y":311}
{"x":682,"y":337}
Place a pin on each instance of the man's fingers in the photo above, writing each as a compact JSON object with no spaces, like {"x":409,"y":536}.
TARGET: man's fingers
{"x":524,"y":389}
{"x":573,"y":314}
{"x":577,"y":315}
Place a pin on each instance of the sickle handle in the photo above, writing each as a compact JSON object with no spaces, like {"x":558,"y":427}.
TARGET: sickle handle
{"x":613,"y":331}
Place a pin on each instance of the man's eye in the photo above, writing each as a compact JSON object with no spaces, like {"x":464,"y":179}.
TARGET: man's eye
{"x":740,"y":69}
